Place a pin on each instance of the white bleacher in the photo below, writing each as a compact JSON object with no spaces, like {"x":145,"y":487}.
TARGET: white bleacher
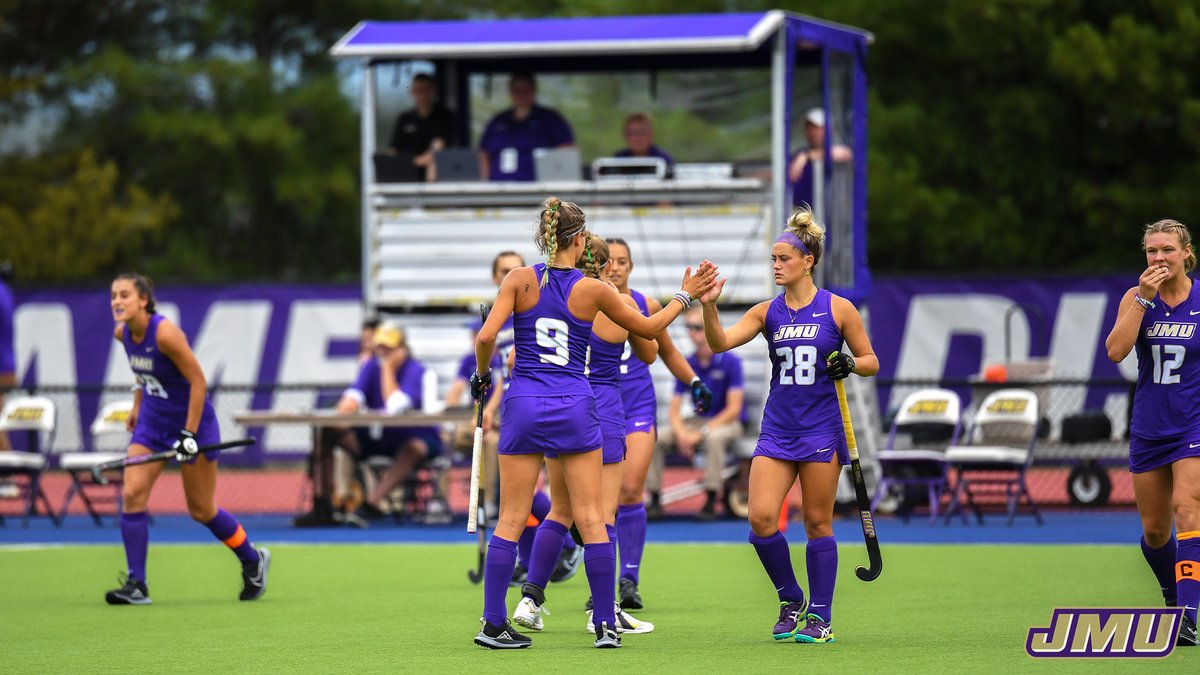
{"x":442,"y":256}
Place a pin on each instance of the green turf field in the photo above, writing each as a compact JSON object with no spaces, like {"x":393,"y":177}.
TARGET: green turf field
{"x":411,"y":608}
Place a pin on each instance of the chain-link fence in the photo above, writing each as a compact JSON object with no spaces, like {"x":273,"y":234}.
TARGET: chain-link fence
{"x":1079,"y":458}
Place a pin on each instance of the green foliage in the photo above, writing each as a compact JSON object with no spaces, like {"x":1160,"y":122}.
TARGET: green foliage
{"x":77,"y":225}
{"x":1004,"y":134}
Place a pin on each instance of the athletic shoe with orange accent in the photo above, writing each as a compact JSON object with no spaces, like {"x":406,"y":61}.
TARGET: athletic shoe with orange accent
{"x":254,"y":576}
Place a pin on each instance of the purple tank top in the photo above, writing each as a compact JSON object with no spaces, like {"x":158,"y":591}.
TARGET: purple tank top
{"x":637,"y":385}
{"x":802,"y":398}
{"x":604,"y":360}
{"x":165,"y":391}
{"x":551,"y":343}
{"x":1168,"y":385}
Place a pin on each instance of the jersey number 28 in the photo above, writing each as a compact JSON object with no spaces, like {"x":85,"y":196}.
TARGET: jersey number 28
{"x":797,"y":365}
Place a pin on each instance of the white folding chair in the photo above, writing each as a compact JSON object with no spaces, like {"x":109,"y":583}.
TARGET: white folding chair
{"x":110,"y":421}
{"x":915,"y":455}
{"x":36,"y":415}
{"x":1006,"y":416}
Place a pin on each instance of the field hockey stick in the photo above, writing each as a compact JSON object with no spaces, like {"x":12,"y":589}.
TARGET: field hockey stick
{"x":136,"y":460}
{"x":475,"y":514}
{"x":860,"y":491}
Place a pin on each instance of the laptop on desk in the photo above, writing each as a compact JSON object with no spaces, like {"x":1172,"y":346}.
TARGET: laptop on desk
{"x":397,"y":168}
{"x":556,"y":164}
{"x":457,"y":165}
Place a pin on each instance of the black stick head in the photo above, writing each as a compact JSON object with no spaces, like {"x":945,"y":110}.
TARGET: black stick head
{"x":868,"y":574}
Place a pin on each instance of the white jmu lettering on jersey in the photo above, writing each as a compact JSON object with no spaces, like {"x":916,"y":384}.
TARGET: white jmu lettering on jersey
{"x":804,"y":331}
{"x":1171,"y":329}
{"x":141,"y":363}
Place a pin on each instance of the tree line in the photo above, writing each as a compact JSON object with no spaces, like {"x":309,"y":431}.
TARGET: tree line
{"x":214,"y":140}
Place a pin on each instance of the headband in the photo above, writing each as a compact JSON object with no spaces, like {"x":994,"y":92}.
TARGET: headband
{"x":789,"y":238}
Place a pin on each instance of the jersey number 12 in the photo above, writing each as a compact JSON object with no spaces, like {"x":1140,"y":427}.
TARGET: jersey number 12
{"x":1167,"y":359}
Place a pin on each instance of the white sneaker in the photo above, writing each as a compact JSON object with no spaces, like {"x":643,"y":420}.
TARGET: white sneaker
{"x":625,"y":623}
{"x":528,"y":614}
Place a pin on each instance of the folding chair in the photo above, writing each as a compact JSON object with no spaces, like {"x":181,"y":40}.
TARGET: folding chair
{"x":110,"y":421}
{"x":1005,"y":416}
{"x":915,"y":455}
{"x":36,"y":415}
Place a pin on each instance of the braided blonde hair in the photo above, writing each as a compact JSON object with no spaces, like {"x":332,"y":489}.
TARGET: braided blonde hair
{"x":595,"y":256}
{"x":1178,"y":229}
{"x":559,"y":223}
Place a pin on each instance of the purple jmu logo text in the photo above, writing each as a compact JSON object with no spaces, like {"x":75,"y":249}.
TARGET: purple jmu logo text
{"x":1091,"y":632}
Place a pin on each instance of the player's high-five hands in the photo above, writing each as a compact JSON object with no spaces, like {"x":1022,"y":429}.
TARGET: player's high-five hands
{"x":704,"y":278}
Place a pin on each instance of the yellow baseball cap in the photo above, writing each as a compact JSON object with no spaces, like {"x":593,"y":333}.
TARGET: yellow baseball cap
{"x":390,"y":335}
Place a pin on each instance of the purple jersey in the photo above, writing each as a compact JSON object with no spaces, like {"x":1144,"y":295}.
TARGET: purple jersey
{"x":723,"y":374}
{"x":504,"y":345}
{"x":1168,"y":385}
{"x":802,"y":399}
{"x":8,"y":362}
{"x":604,"y":368}
{"x":510,"y":143}
{"x":165,"y":391}
{"x":604,"y":360}
{"x":551,"y":343}
{"x":637,"y":386}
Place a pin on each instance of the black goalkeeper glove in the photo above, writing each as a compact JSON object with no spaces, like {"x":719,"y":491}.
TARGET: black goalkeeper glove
{"x":185,"y":446}
{"x":480,"y":384}
{"x":702,"y":396}
{"x":839,"y":365}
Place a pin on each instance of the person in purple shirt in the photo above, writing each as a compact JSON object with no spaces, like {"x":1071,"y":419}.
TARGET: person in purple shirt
{"x":549,"y":410}
{"x":802,"y":424}
{"x":1158,"y":319}
{"x":714,"y":430}
{"x":802,"y":168}
{"x":394,"y":382}
{"x":639,"y":139}
{"x":509,"y":139}
{"x":8,"y":363}
{"x":171,"y":411}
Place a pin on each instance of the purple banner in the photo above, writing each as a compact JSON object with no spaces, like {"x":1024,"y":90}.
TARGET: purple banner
{"x":242,"y":336}
{"x":266,"y":335}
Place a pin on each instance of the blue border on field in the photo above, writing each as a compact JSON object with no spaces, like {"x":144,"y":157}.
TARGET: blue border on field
{"x":1122,"y":527}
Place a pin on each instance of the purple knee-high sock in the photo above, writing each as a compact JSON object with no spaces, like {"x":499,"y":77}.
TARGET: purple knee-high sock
{"x":135,"y":534}
{"x":600,"y":562}
{"x":631,"y":536}
{"x":1162,"y":563}
{"x":541,"y":508}
{"x":612,"y":534}
{"x":547,"y":546}
{"x":497,"y":572}
{"x":1187,"y":579}
{"x":541,"y":505}
{"x":226,"y":528}
{"x":822,"y":558}
{"x":776,"y":559}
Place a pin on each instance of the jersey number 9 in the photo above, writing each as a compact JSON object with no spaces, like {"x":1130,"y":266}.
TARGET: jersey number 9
{"x":552,"y":334}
